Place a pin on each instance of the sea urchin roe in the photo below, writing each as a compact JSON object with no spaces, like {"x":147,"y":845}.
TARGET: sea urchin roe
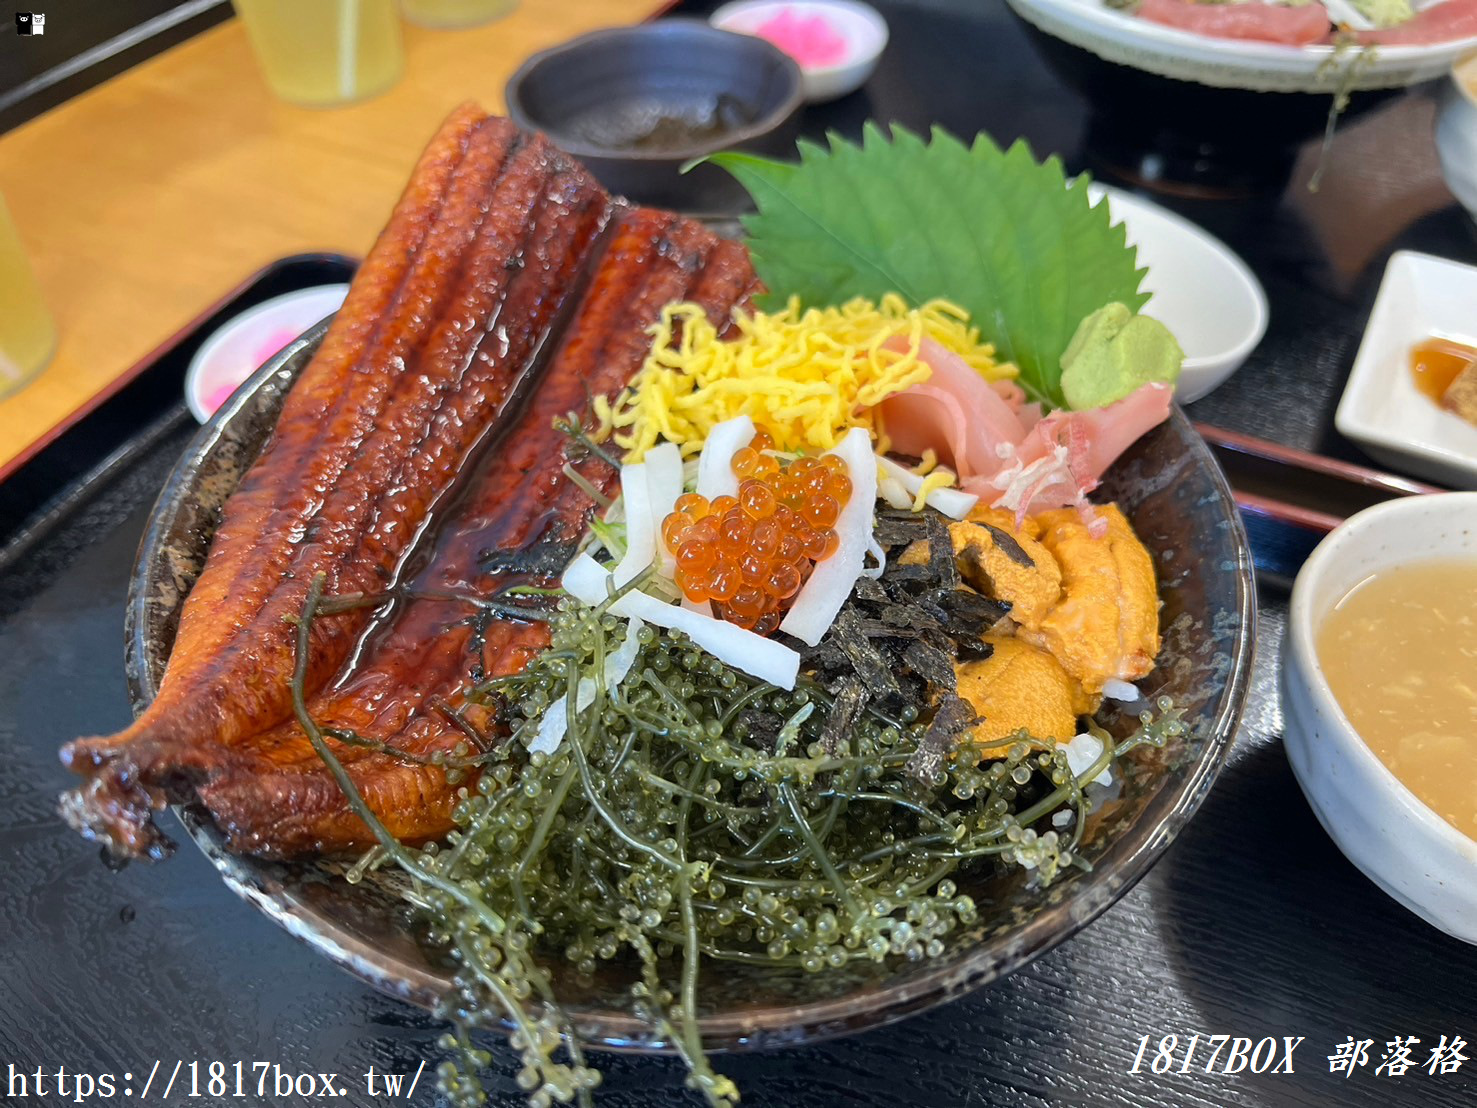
{"x":750,"y":554}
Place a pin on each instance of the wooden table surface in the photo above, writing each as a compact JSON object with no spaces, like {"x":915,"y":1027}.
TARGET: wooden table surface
{"x":143,"y":200}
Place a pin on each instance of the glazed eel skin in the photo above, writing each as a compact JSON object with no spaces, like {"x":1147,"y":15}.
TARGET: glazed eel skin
{"x":415,"y":461}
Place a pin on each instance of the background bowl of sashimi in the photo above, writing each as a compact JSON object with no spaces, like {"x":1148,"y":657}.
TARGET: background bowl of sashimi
{"x":1174,"y":108}
{"x":1181,"y":506}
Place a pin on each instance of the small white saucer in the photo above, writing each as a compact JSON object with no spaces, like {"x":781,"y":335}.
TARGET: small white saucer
{"x":1202,"y":291}
{"x":860,"y":25}
{"x":237,"y":348}
{"x":1381,"y":409}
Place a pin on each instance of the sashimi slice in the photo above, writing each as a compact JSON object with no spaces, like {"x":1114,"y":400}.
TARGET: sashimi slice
{"x":1027,"y":411}
{"x":955,"y":412}
{"x":1252,"y":21}
{"x":1444,"y":22}
{"x":1066,"y":454}
{"x":1098,"y":436}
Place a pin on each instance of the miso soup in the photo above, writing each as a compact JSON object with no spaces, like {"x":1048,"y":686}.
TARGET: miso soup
{"x":1400,"y":652}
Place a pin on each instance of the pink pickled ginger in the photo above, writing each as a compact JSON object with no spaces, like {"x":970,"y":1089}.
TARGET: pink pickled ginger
{"x":809,"y":39}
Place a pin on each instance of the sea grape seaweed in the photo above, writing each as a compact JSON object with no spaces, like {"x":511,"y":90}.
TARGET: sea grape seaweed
{"x":668,"y":831}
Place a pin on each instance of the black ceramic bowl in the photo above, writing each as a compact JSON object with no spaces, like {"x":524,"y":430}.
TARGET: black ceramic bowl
{"x":1190,"y":138}
{"x":1181,"y":506}
{"x":635,"y":104}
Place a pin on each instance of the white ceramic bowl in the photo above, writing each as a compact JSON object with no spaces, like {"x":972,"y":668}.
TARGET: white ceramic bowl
{"x":1456,"y":133}
{"x":1400,"y":844}
{"x":1200,"y":290}
{"x":235,"y":350}
{"x":863,"y":29}
{"x":1120,"y":37}
{"x":1381,"y":409}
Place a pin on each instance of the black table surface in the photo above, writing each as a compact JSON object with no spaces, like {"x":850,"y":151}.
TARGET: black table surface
{"x":1253,"y":924}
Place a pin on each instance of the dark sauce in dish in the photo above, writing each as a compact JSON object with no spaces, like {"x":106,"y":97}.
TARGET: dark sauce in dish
{"x":1436,"y":363}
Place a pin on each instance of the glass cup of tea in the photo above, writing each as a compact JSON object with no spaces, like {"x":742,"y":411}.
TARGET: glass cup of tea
{"x":325,"y":52}
{"x":447,"y":14}
{"x":27,"y":333}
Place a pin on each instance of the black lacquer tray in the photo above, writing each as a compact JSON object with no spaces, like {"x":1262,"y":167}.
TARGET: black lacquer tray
{"x":1252,"y":924}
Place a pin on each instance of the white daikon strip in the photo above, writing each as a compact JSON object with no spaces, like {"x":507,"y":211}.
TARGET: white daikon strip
{"x":879,"y":560}
{"x":1342,"y":11}
{"x":619,"y":661}
{"x":640,"y":532}
{"x":664,"y":483}
{"x":904,"y":476}
{"x":586,"y":580}
{"x":731,"y":644}
{"x":954,"y":503}
{"x":1122,"y":691}
{"x":715,"y":476}
{"x":818,"y":601}
{"x":755,"y":655}
{"x":1082,"y":752}
{"x":891,"y":490}
{"x":555,"y":724}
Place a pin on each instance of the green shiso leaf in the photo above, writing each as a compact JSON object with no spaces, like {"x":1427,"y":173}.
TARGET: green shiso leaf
{"x":1004,"y":236}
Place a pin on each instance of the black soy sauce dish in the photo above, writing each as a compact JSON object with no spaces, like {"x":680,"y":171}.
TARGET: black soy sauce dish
{"x":636,"y":104}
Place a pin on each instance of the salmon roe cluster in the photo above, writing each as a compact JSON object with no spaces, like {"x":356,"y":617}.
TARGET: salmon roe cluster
{"x":750,"y":554}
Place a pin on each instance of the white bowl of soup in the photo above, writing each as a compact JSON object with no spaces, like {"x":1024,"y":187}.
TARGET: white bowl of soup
{"x":1379,"y":695}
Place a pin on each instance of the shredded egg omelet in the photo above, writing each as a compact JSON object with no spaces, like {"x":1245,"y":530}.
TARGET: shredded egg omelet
{"x":804,"y":377}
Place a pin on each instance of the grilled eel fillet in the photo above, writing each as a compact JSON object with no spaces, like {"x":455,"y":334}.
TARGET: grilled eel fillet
{"x":507,"y":289}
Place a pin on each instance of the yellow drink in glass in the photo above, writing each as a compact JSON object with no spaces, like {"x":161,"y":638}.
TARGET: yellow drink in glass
{"x":320,"y":53}
{"x":455,"y":13}
{"x":27,"y":334}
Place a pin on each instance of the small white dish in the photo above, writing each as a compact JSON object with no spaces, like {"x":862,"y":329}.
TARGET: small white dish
{"x":1456,"y":133}
{"x":861,"y":27}
{"x":238,"y":347}
{"x":1201,"y":290}
{"x":1121,"y":37}
{"x":1381,"y":826}
{"x":1381,"y":409}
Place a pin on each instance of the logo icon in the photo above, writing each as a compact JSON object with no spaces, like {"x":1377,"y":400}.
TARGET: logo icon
{"x":30,"y":23}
